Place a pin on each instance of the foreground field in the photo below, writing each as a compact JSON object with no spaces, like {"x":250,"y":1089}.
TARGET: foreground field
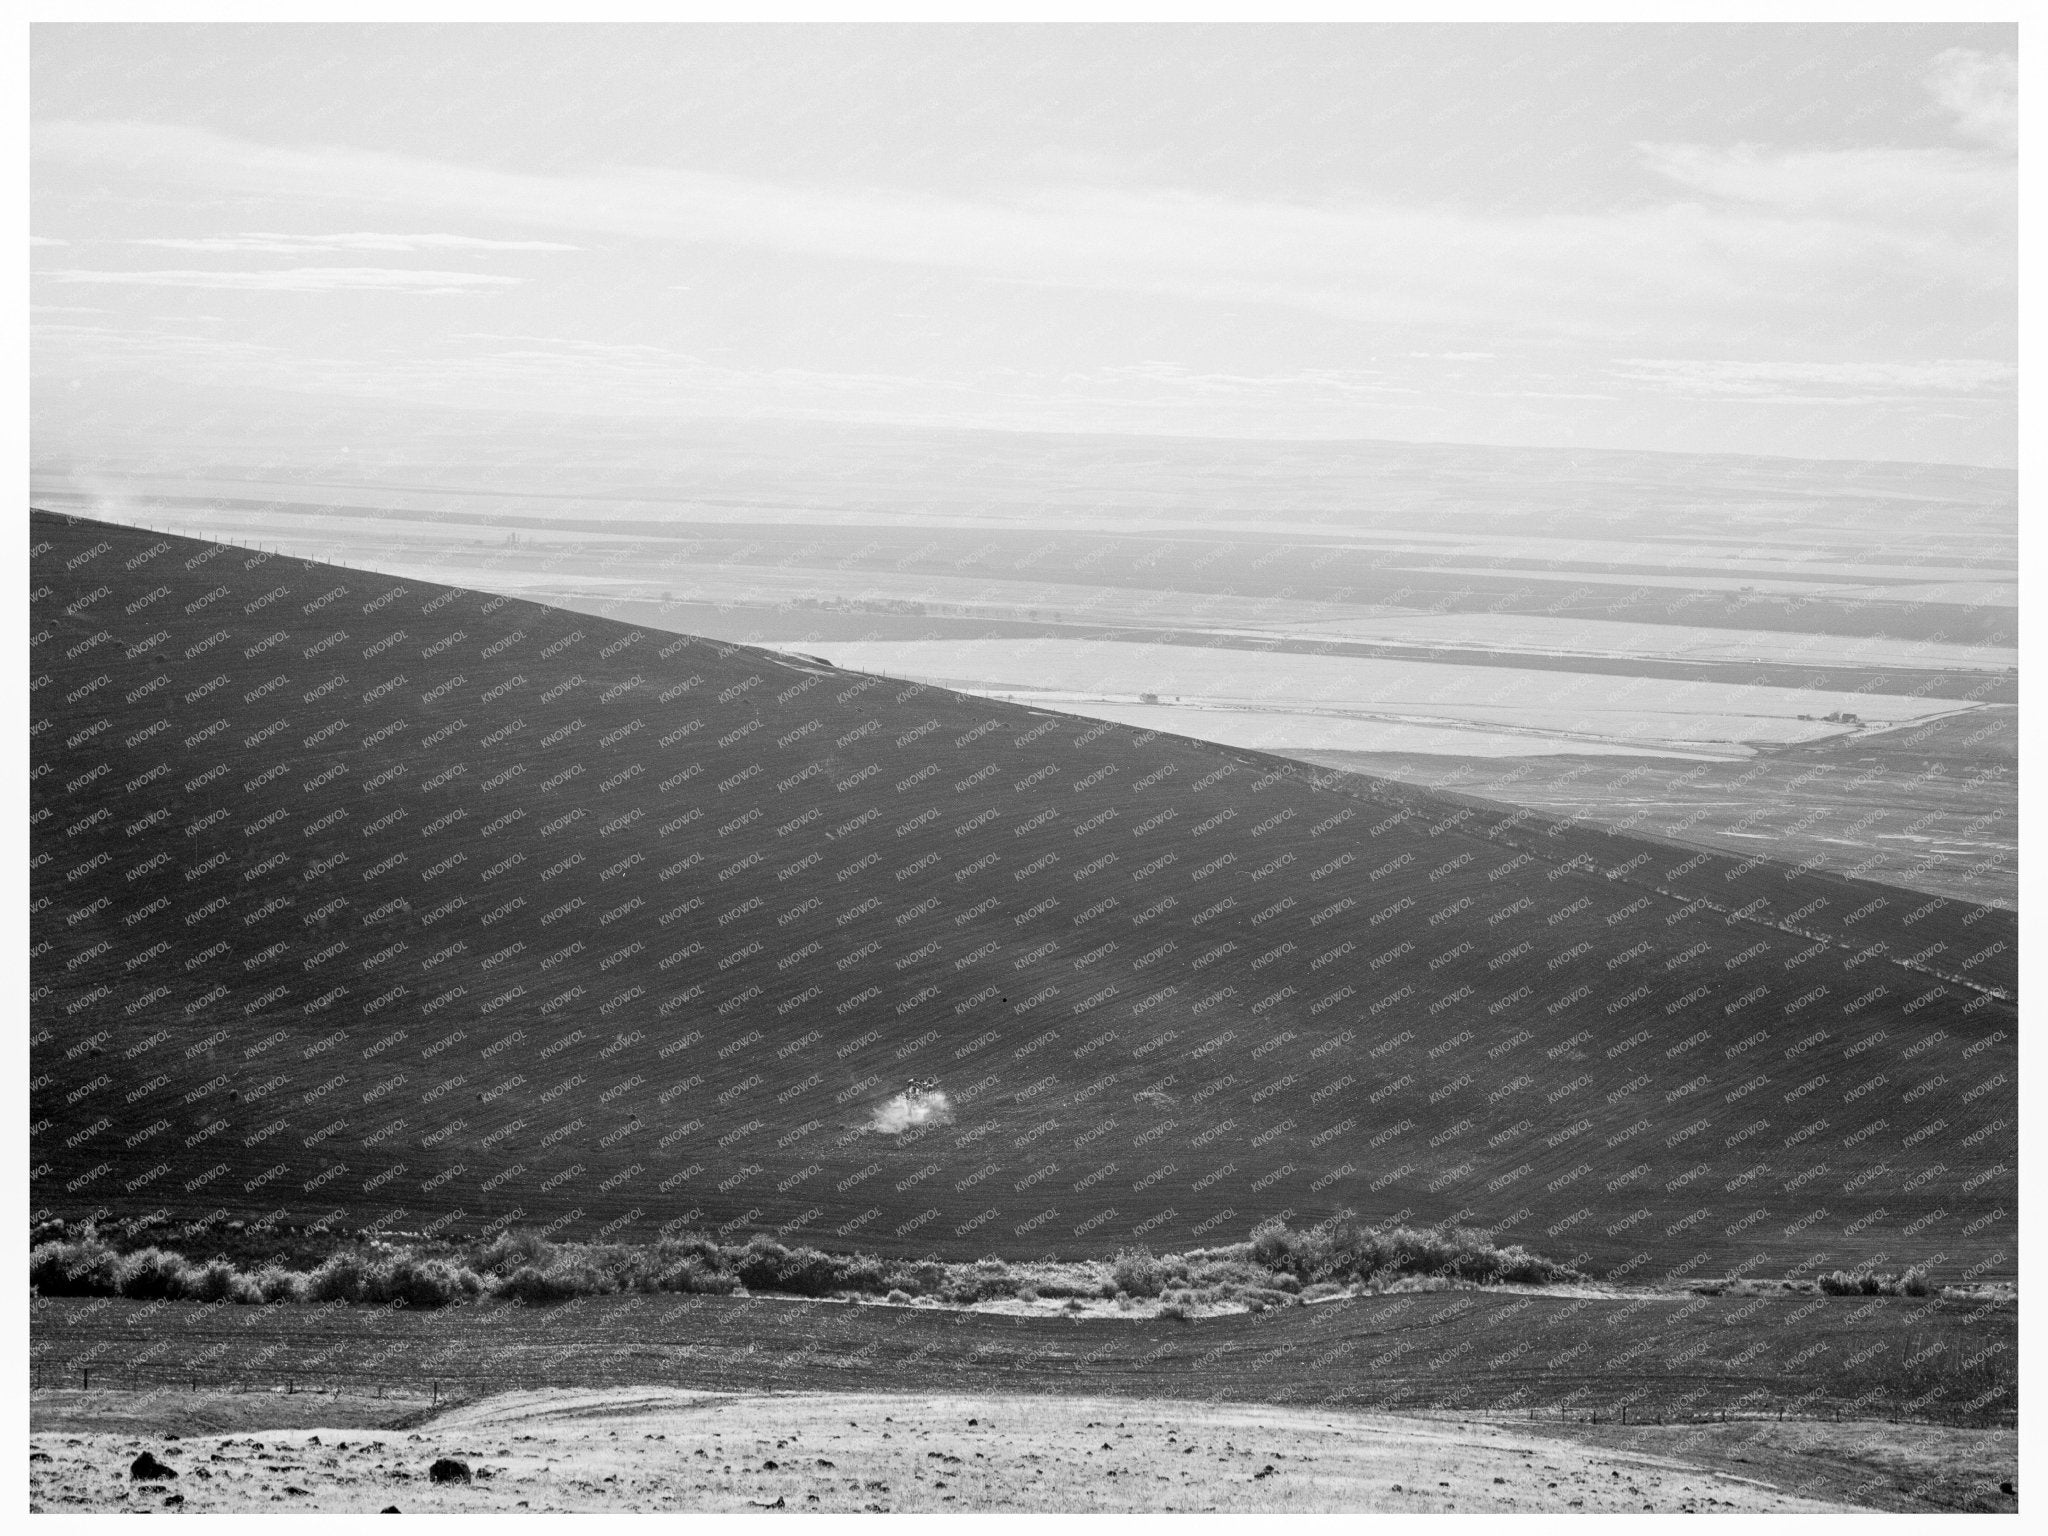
{"x":664,"y":1449}
{"x":1661,"y":1355}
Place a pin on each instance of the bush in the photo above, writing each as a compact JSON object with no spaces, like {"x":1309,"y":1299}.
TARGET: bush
{"x":535,"y":1286}
{"x":339,"y":1278}
{"x":153,"y":1275}
{"x":509,"y":1251}
{"x":273,"y":1282}
{"x":694,"y":1275}
{"x":1175,"y":1311}
{"x":1914,"y":1282}
{"x":765,"y":1265}
{"x":987,"y":1280}
{"x":87,"y":1267}
{"x":1137,"y":1272}
{"x":1341,"y":1250}
{"x":211,"y":1281}
{"x":1838,"y":1283}
{"x":424,"y":1283}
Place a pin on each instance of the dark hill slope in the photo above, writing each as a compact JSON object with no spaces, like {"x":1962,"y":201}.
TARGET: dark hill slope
{"x":436,"y":909}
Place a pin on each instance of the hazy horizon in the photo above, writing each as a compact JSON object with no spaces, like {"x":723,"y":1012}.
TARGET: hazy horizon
{"x":1783,"y":242}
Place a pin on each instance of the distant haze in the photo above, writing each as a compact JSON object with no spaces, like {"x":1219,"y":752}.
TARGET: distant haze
{"x":289,"y":249}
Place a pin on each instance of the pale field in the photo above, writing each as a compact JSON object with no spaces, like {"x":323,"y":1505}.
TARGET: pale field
{"x":1642,"y":713}
{"x":1970,"y":587}
{"x":1534,"y":634}
{"x":649,"y":1449}
{"x":1289,"y":734}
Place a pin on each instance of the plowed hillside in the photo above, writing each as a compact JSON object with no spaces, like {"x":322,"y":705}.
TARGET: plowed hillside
{"x":420,"y":907}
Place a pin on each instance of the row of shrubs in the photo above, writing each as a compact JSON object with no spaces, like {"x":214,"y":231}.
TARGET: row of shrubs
{"x":1842,"y":1282}
{"x":1276,"y":1267}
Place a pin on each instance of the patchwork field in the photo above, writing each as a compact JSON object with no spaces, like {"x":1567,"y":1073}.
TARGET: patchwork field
{"x":418,"y":908}
{"x":1557,"y":711}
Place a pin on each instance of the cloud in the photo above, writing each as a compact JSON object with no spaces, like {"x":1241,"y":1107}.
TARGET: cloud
{"x":1982,"y":91}
{"x":302,"y":280}
{"x":1867,"y":380}
{"x":296,"y":245}
{"x":1777,"y":243}
{"x":1933,"y":190}
{"x":45,"y":240}
{"x":1952,"y":189}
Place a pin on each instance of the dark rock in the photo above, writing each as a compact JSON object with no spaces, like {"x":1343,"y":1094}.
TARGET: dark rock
{"x":147,"y":1469}
{"x":173,"y":1500}
{"x":388,"y":1509}
{"x":448,"y":1470}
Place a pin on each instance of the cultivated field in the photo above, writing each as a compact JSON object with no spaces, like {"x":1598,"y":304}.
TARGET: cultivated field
{"x":1671,"y":1354}
{"x":1553,"y":710}
{"x":362,"y":899}
{"x":1930,"y":808}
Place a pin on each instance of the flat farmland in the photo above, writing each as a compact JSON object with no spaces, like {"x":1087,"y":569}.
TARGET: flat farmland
{"x":828,"y":585}
{"x":1556,"y":707}
{"x":362,"y":898}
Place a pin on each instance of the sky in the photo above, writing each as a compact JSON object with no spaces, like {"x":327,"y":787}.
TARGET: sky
{"x":1788,"y":240}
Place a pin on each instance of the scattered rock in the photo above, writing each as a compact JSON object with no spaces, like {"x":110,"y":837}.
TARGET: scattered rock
{"x":147,"y":1469}
{"x":448,"y":1470}
{"x":46,"y":1456}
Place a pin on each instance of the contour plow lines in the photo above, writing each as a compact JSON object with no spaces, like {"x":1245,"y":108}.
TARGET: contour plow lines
{"x":625,"y":939}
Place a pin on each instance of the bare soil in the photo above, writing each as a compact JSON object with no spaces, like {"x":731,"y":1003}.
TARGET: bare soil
{"x":660,"y":1449}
